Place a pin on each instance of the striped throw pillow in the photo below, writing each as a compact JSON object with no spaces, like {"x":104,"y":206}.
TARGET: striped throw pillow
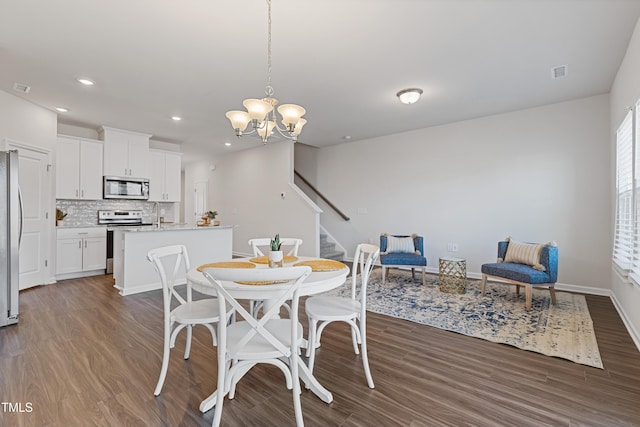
{"x":400,"y":245}
{"x":524,"y":253}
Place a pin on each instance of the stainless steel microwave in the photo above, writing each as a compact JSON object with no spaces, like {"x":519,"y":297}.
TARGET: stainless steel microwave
{"x":125,"y":188}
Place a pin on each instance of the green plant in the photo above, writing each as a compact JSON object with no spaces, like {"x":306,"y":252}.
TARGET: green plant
{"x":212,"y":214}
{"x":276,"y":243}
{"x":60,"y":215}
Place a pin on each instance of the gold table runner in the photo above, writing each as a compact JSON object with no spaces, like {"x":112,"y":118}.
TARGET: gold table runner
{"x":322,"y":265}
{"x":227,"y":264}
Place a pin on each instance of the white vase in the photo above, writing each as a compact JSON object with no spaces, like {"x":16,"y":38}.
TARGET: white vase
{"x":276,"y":259}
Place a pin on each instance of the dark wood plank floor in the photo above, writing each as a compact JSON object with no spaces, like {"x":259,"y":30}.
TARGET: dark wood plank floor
{"x":82,"y":355}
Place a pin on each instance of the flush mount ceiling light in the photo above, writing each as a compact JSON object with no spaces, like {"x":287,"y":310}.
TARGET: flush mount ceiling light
{"x":62,"y":109}
{"x":176,"y":118}
{"x":409,"y":96}
{"x":260,"y":112}
{"x":85,"y":81}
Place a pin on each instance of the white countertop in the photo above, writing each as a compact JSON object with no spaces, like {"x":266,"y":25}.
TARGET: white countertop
{"x":171,"y":227}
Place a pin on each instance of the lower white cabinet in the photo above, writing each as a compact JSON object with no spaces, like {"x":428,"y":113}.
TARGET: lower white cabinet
{"x":81,"y":252}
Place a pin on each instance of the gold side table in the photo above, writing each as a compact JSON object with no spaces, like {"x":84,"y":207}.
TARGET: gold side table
{"x":453,"y":275}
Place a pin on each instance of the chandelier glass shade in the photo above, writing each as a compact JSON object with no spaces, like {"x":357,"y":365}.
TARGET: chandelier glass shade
{"x":261,"y":113}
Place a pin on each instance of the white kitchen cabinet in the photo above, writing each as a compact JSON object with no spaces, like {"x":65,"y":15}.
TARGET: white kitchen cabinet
{"x":126,"y":153}
{"x":81,"y":252}
{"x":164,"y":177}
{"x":78,"y":168}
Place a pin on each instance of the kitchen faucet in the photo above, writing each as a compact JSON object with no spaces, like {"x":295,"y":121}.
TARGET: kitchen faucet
{"x":156,"y":207}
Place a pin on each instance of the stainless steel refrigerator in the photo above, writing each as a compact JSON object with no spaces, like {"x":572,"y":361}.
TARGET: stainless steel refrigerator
{"x":10,"y":234}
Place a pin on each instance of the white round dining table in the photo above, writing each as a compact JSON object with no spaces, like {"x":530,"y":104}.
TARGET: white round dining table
{"x":317,"y":282}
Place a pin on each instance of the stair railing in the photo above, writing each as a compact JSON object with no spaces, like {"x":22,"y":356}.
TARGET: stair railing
{"x":331,"y":205}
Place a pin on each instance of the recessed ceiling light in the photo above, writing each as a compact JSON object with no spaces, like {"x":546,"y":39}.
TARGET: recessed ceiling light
{"x":228,"y":144}
{"x":346,"y":137}
{"x":85,"y":81}
{"x":176,"y":118}
{"x":62,"y":109}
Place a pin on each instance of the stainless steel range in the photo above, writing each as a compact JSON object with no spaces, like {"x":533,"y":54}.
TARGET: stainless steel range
{"x":118,"y":218}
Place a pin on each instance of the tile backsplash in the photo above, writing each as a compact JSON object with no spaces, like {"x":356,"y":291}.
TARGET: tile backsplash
{"x":82,"y":213}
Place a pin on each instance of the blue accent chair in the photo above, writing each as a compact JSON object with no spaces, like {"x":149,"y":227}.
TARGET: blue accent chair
{"x":403,"y":259}
{"x":524,"y":275}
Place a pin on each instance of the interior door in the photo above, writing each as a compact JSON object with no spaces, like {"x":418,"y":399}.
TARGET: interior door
{"x":200,"y":189}
{"x":33,"y":176}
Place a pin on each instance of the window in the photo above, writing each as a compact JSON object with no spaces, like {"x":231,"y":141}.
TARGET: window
{"x":624,"y":226}
{"x":635,"y":263}
{"x":626,"y":244}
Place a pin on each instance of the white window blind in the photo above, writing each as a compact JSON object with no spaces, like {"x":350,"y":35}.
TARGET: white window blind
{"x":624,"y":234}
{"x":635,"y":263}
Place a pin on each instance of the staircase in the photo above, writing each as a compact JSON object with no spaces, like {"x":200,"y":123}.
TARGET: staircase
{"x":328,"y":249}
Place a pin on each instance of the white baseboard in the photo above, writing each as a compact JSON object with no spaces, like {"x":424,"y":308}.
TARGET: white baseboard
{"x":635,"y":335}
{"x":145,"y":288}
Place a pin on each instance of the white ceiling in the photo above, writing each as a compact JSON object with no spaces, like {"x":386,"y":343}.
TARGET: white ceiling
{"x":343,"y":60}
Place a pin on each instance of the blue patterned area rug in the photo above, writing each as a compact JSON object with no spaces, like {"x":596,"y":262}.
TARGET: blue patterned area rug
{"x":564,"y":330}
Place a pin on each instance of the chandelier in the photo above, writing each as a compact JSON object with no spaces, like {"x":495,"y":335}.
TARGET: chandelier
{"x":261,"y":114}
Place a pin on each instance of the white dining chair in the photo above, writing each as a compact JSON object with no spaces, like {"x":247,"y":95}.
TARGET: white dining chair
{"x":287,"y":242}
{"x":250,"y":341}
{"x":323,"y":310}
{"x":256,"y":244}
{"x":188,"y":312}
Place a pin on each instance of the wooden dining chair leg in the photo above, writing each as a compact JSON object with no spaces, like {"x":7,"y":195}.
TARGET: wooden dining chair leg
{"x":165,"y":364}
{"x":355,"y":339}
{"x":311,"y":342}
{"x":187,"y":347}
{"x":223,"y":370}
{"x":295,"y":377}
{"x":365,"y":356}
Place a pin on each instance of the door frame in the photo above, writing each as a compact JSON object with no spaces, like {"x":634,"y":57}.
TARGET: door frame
{"x":47,"y":199}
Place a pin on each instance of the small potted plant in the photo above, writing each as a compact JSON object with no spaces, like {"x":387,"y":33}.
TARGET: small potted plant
{"x":208,"y":216}
{"x":60,"y":216}
{"x":276,"y":257}
{"x":212,"y":216}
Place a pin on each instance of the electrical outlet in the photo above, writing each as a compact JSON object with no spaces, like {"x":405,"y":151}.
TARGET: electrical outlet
{"x":362,"y":211}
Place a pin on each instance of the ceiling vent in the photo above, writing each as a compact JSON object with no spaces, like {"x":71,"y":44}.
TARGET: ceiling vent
{"x":559,"y":72}
{"x":19,"y":87}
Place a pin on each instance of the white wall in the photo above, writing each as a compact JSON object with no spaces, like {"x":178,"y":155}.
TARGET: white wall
{"x":537,"y":175}
{"x":27,"y":123}
{"x":245,"y":189}
{"x":624,"y":93}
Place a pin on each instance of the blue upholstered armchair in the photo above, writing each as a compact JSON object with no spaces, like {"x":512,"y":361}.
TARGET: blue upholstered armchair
{"x":543,"y":274}
{"x":393,"y":254}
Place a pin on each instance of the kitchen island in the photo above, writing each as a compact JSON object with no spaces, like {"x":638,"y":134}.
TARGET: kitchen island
{"x":134,"y":274}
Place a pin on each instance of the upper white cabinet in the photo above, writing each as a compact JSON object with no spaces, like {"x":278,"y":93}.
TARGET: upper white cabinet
{"x":78,"y":168}
{"x":164,"y":177}
{"x":125,"y":153}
